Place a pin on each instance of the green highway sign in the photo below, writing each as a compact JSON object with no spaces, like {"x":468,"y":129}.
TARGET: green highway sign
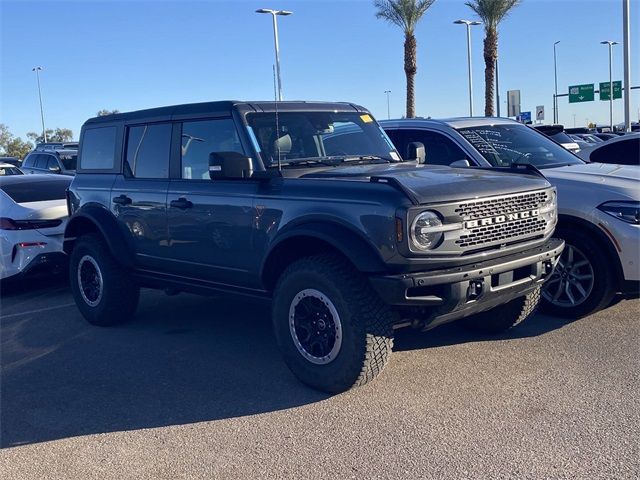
{"x":604,"y":90}
{"x":581,"y":93}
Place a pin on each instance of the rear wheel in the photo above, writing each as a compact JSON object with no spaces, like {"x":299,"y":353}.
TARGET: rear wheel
{"x":504,"y":317}
{"x":103,"y":290}
{"x":583,"y":281}
{"x":333,"y":330}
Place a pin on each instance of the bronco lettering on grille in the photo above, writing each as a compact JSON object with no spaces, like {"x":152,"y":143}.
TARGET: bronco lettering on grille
{"x":501,"y":219}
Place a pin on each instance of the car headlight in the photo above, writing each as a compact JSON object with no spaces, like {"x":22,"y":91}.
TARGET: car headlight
{"x":549,"y":209}
{"x":426,"y":231}
{"x":626,"y":211}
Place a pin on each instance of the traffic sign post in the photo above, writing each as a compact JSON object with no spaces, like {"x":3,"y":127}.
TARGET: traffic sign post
{"x":540,"y":113}
{"x":581,"y":93}
{"x":513,"y":103}
{"x":605,"y":87}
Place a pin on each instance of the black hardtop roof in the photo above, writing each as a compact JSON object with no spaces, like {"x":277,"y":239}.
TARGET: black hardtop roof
{"x":199,"y":109}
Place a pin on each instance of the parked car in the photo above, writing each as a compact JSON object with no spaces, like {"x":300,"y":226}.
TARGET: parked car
{"x":557,"y":133}
{"x":589,"y":138}
{"x":346,"y":240}
{"x":16,"y":162}
{"x":623,"y":150}
{"x":8,"y":169}
{"x":605,"y":136}
{"x":33,"y":214}
{"x":582,"y":143}
{"x":51,"y":160}
{"x":598,"y":204}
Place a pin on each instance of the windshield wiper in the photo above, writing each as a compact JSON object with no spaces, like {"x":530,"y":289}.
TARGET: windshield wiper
{"x":332,"y":160}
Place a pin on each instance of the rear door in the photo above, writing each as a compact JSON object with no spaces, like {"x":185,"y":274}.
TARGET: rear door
{"x":210,"y":221}
{"x":139,"y":196}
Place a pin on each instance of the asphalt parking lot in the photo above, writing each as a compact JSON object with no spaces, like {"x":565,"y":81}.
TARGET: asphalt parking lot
{"x":195,"y":388}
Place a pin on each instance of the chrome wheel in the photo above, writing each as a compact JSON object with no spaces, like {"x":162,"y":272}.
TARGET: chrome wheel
{"x":572,"y":280}
{"x":315,"y":326}
{"x":90,"y":280}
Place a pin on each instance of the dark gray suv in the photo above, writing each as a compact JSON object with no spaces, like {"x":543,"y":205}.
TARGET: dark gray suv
{"x":51,"y":160}
{"x":309,"y":206}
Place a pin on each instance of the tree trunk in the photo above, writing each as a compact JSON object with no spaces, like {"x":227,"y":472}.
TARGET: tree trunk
{"x":410,"y":69}
{"x":490,"y":56}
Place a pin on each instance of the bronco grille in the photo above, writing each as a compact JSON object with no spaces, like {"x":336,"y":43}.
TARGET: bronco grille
{"x":507,"y":228}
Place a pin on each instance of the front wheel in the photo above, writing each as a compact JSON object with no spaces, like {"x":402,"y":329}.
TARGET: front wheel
{"x":333,"y":330}
{"x":504,"y":317}
{"x":582,"y":282}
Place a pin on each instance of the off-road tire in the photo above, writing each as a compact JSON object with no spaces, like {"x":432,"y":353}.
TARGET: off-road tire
{"x":504,"y":317}
{"x":120,"y":293}
{"x":367,"y":333}
{"x":604,"y":278}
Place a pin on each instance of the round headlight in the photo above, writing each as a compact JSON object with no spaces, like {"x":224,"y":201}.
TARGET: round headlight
{"x":422,"y":235}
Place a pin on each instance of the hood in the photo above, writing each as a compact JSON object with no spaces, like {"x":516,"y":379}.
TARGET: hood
{"x":605,"y":177}
{"x":434,"y":183}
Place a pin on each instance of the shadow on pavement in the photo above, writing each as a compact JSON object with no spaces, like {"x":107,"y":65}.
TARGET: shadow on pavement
{"x":184,"y":359}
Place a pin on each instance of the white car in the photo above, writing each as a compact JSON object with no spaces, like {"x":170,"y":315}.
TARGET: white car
{"x":33,"y":215}
{"x":8,"y":169}
{"x":598,"y":204}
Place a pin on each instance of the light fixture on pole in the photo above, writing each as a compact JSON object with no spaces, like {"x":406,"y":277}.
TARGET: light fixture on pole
{"x":611,"y":44}
{"x":388,"y":109}
{"x":274,"y":14}
{"x":555,"y":74}
{"x":469,"y":23}
{"x":44,"y":132}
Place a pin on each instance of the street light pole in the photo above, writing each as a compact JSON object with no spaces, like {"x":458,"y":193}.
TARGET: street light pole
{"x":274,"y":14}
{"x":610,"y":44}
{"x":626,"y":36}
{"x":555,"y":73}
{"x":469,"y":23}
{"x":388,"y":108}
{"x":44,"y":132}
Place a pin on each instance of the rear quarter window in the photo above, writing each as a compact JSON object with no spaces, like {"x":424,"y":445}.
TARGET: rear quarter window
{"x":98,"y":148}
{"x":40,"y":191}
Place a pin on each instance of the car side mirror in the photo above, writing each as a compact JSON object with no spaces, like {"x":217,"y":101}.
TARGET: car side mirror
{"x":229,"y":165}
{"x":416,"y":151}
{"x":460,"y":163}
{"x":55,"y":169}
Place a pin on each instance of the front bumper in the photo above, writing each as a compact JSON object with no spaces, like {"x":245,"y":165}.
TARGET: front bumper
{"x":454,"y":293}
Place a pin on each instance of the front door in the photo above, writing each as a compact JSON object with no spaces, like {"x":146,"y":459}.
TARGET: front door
{"x":210,"y":221}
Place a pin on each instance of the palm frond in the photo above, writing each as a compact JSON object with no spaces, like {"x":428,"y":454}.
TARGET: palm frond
{"x":404,"y":13}
{"x":491,"y":12}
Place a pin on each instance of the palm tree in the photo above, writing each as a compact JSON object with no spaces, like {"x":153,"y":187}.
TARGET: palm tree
{"x":405,"y":14}
{"x":491,"y":12}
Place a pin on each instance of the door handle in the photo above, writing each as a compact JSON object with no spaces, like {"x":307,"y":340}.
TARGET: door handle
{"x":181,"y":203}
{"x":122,"y":200}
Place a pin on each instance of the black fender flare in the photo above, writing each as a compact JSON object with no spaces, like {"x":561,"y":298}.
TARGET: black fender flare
{"x":94,"y":218}
{"x":347,"y":241}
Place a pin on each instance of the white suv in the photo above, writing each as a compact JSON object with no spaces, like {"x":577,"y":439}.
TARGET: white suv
{"x":598,"y":204}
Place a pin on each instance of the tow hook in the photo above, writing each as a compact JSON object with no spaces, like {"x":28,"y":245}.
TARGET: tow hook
{"x":475,"y":289}
{"x":548,"y":268}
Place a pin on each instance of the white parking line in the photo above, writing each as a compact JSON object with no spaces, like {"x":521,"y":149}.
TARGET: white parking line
{"x":37,"y":311}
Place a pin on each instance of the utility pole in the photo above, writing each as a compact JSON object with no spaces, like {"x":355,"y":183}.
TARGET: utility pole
{"x":44,"y":132}
{"x":469,"y":23}
{"x":274,"y":14}
{"x":555,"y":73}
{"x":626,"y":38}
{"x":497,"y":91}
{"x":388,"y":108}
{"x":610,"y":44}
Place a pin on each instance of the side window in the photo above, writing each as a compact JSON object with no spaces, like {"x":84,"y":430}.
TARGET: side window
{"x":440,"y":149}
{"x":148,"y":149}
{"x":52,"y":162}
{"x":98,"y":148}
{"x":202,"y":138}
{"x":29,"y":161}
{"x":41,"y":161}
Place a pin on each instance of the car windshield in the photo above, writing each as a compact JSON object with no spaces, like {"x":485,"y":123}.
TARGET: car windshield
{"x":69,"y":160}
{"x":319,"y":137}
{"x":506,"y":145}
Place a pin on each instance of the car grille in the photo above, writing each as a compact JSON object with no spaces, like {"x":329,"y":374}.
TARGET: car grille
{"x":502,"y":233}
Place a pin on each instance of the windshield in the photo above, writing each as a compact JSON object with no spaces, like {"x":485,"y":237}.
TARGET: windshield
{"x":69,"y":160}
{"x":505,"y":145}
{"x":319,"y":136}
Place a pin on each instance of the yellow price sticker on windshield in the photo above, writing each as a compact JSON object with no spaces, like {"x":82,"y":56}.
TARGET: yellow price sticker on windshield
{"x":366,"y":118}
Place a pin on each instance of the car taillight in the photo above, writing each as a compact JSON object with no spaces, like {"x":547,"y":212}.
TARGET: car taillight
{"x":11,"y":224}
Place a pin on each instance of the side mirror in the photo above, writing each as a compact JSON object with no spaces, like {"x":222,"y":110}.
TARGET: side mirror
{"x":416,"y":151}
{"x":55,"y":169}
{"x":460,"y":163}
{"x":229,"y":165}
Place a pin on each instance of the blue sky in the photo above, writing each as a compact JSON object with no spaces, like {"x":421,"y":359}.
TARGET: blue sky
{"x":129,"y":55}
